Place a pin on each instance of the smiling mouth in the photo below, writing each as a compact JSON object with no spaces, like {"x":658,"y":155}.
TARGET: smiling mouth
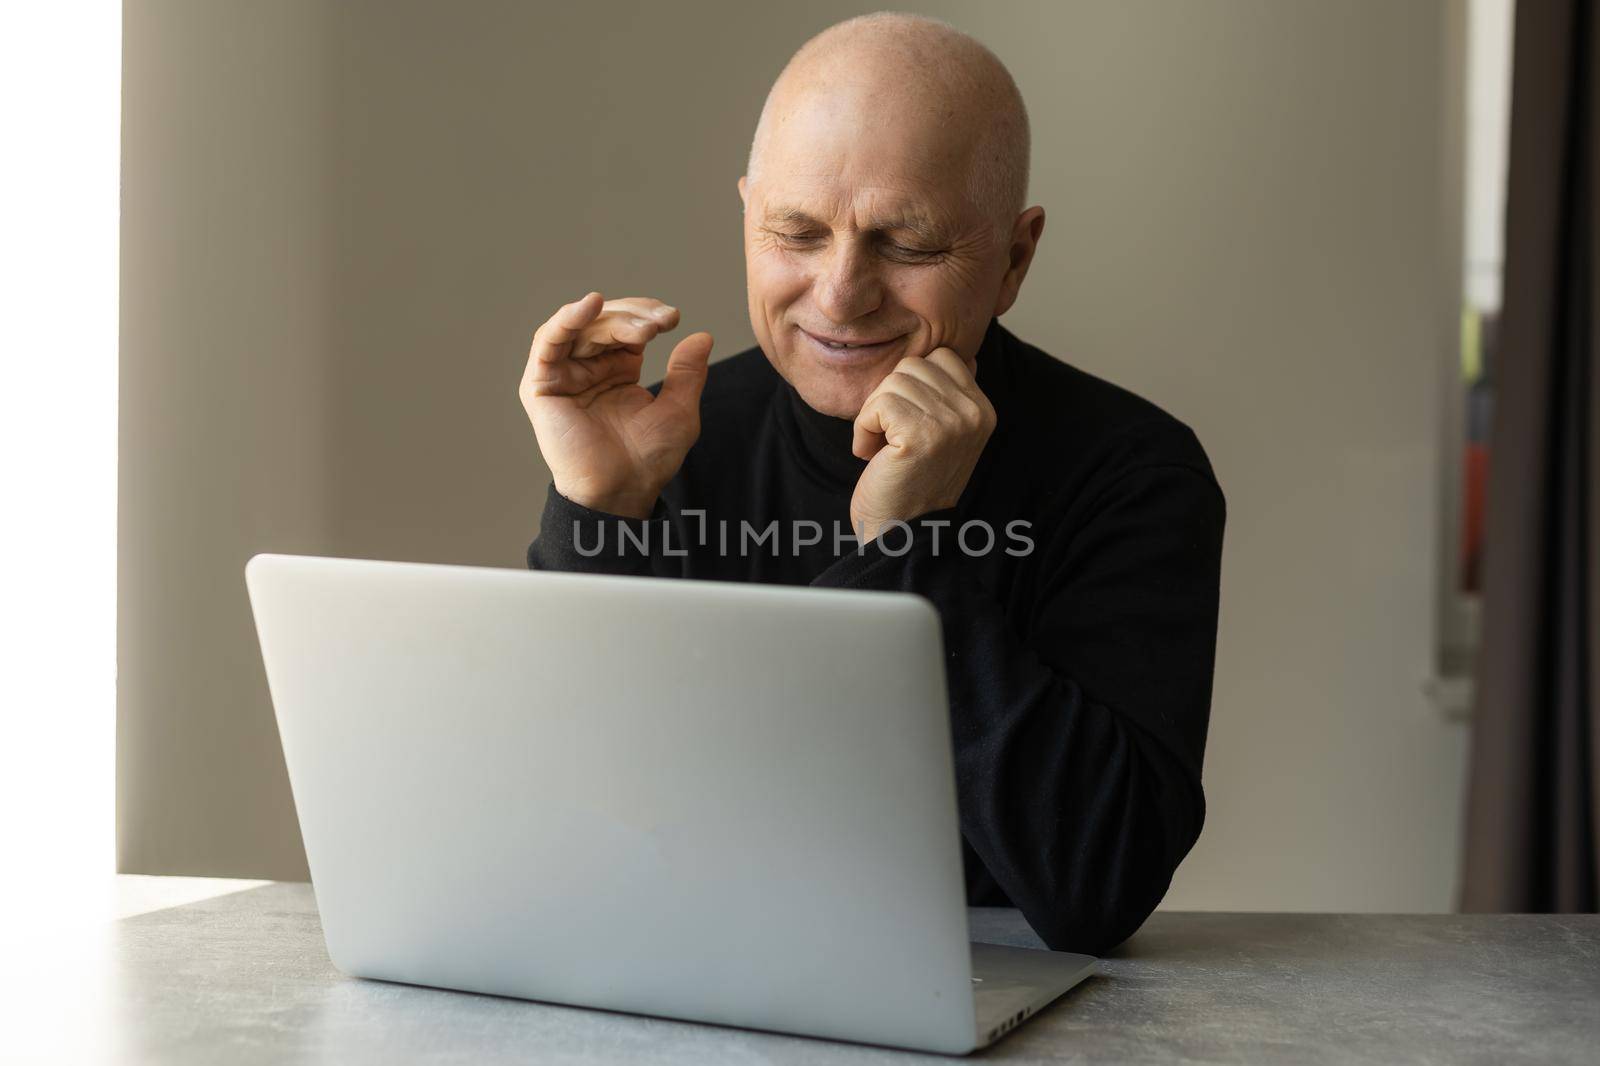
{"x":849,"y":348}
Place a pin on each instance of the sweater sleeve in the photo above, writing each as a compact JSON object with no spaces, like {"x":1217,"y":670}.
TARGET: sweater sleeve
{"x":581,"y":540}
{"x":1078,"y":745}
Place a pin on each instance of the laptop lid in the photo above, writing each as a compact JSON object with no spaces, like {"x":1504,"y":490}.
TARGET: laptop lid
{"x":705,"y":800}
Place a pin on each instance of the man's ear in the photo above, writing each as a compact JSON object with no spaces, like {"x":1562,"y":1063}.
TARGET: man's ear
{"x":1025,"y":236}
{"x":744,"y":196}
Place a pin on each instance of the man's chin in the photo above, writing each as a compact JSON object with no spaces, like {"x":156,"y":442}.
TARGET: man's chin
{"x":835,"y":389}
{"x":838,"y":395}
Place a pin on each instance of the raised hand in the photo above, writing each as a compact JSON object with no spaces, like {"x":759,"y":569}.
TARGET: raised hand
{"x":609,"y":443}
{"x":922,"y":430}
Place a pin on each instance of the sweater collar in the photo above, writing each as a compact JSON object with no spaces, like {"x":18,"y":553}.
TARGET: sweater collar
{"x":822,"y":442}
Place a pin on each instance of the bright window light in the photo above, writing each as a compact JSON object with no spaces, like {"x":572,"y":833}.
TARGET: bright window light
{"x":60,"y":91}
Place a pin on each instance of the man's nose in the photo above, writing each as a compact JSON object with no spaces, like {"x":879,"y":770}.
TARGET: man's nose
{"x":849,"y":286}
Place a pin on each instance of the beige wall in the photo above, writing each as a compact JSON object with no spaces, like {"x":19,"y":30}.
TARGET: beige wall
{"x":342,"y":221}
{"x":223,"y":417}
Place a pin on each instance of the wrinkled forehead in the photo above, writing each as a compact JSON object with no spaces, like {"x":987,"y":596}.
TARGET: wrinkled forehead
{"x":836,"y":152}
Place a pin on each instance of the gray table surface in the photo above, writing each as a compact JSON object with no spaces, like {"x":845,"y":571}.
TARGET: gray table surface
{"x":244,"y":978}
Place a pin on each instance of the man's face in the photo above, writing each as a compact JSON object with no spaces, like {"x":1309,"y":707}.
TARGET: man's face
{"x":862,"y":247}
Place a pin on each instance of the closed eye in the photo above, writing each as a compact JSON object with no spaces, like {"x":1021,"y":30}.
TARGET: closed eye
{"x":795,"y":240}
{"x":903,"y":251}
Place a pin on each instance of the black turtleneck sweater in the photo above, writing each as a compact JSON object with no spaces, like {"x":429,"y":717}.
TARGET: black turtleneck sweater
{"x":1079,"y":671}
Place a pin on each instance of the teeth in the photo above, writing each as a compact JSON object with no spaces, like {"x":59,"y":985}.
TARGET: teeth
{"x":840,"y":346}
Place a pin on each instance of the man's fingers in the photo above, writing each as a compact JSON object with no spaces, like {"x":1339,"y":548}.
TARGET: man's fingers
{"x":580,"y":312}
{"x":928,"y":389}
{"x":627,"y":320}
{"x":931,"y":374}
{"x":686,"y":372}
{"x":570,"y":377}
{"x":553,"y":340}
{"x":591,"y":325}
{"x":615,"y":329}
{"x":958,"y":369}
{"x":885,"y":414}
{"x":964,"y":371}
{"x":865,"y":442}
{"x":867,"y":437}
{"x":665,"y":315}
{"x":944,"y":373}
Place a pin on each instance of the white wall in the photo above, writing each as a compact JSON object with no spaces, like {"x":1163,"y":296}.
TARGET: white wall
{"x":58,"y":451}
{"x":382,"y":200}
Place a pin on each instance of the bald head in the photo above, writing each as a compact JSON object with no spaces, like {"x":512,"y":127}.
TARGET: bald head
{"x":883,"y":205}
{"x":922,"y":78}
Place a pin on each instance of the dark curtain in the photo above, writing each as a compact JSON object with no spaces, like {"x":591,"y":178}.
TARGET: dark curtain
{"x":1533,"y":804}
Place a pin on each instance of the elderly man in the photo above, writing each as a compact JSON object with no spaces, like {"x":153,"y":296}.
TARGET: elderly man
{"x":887,"y":433}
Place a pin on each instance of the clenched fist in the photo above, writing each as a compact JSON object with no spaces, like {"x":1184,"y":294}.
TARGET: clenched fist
{"x":922,"y":430}
{"x":610,"y":445}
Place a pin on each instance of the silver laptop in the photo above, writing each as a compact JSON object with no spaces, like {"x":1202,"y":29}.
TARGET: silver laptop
{"x":721,"y":802}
